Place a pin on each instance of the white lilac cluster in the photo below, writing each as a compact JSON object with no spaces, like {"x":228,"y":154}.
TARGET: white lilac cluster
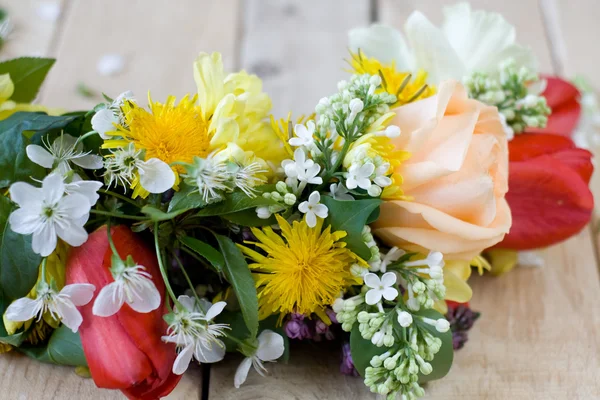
{"x":215,"y":176}
{"x":516,"y":91}
{"x":388,"y":321}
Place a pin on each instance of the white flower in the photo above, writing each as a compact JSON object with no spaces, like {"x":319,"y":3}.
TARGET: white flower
{"x":270,"y":348}
{"x":105,"y":120}
{"x":359,"y":176}
{"x":434,"y":261}
{"x":304,"y":135}
{"x":392,"y":255}
{"x":194,"y":335}
{"x":88,"y":189}
{"x":155,"y":175}
{"x":61,"y":305}
{"x":246,"y":178}
{"x":405,"y":319}
{"x":468,"y":41}
{"x":64,"y":150}
{"x":339,"y":192}
{"x":131,"y":285}
{"x":47,"y":213}
{"x":210,"y":176}
{"x":263,"y":212}
{"x":305,"y":170}
{"x":380,"y":287}
{"x":313,"y":209}
{"x":441,"y":324}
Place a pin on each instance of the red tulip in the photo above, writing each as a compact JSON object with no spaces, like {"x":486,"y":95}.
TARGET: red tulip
{"x":548,"y":190}
{"x":563,"y":99}
{"x":123,"y":351}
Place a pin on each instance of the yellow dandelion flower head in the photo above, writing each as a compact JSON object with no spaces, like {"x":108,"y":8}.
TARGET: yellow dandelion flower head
{"x":300,"y":270}
{"x":399,"y":83}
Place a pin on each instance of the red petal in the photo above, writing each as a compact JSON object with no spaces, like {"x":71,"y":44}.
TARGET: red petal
{"x":580,"y":160}
{"x":549,"y":202}
{"x":526,"y":146}
{"x":563,"y":99}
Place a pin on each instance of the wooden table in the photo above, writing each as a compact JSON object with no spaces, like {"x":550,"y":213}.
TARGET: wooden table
{"x":539,"y":336}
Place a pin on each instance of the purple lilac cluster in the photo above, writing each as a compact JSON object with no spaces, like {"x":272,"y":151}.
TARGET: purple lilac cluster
{"x":300,"y":327}
{"x":461,"y":319}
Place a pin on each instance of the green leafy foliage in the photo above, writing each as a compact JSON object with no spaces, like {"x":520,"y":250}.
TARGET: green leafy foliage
{"x":351,"y":217}
{"x":362,"y":350}
{"x":238,"y":274}
{"x":14,"y":164}
{"x":27,"y":74}
{"x":234,"y":202}
{"x":186,"y":199}
{"x":18,"y":263}
{"x":442,"y":361}
{"x":248,"y":218}
{"x":205,"y":250}
{"x":158,"y":215}
{"x":63,"y":348}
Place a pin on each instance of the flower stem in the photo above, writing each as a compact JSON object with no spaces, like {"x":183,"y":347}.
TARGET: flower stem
{"x":44,"y":261}
{"x":84,"y":136}
{"x":110,"y":240}
{"x":119,"y":196}
{"x":123,"y":216}
{"x":161,"y":265}
{"x":335,"y":166}
{"x":187,"y":277}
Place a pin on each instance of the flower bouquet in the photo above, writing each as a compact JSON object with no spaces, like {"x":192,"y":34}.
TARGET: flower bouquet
{"x":137,"y":239}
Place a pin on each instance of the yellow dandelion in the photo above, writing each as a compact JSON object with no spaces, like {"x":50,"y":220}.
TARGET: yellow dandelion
{"x":401,"y":84}
{"x":302,"y":269}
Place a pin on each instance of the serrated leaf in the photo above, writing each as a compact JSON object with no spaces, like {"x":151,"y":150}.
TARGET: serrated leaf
{"x":351,"y":217}
{"x":205,"y":250}
{"x":27,"y":74}
{"x":238,"y":274}
{"x":19,"y":265}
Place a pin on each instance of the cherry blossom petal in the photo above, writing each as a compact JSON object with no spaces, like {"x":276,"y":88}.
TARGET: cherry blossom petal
{"x":69,"y":314}
{"x":109,"y":301}
{"x":215,"y":310}
{"x":212,"y":354}
{"x":40,"y":155}
{"x":44,"y":241}
{"x":89,"y":161}
{"x":53,"y":188}
{"x":156,"y":176}
{"x":242,"y":372}
{"x":22,"y":309}
{"x":104,"y":121}
{"x":270,"y":345}
{"x":149,"y":299}
{"x":182,"y":362}
{"x":79,"y":293}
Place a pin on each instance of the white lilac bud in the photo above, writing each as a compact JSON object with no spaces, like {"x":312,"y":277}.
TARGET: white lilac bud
{"x":442,"y":325}
{"x":392,"y":131}
{"x":281,"y":187}
{"x":263,"y":212}
{"x":356,"y":106}
{"x":289,"y":199}
{"x":404,"y":319}
{"x":375,"y":80}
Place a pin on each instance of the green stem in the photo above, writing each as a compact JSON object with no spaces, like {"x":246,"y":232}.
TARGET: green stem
{"x":123,"y":216}
{"x":161,"y":265}
{"x":85,"y":136}
{"x":44,"y":261}
{"x":187,"y":278}
{"x":110,"y":240}
{"x":119,"y":196}
{"x":337,"y":164}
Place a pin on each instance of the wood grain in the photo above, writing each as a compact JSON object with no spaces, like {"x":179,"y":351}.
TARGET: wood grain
{"x":158,"y":40}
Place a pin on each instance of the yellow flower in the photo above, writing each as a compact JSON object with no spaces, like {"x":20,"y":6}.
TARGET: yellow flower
{"x":501,"y":260}
{"x":401,"y":84}
{"x":303,"y":270}
{"x":379,"y":150}
{"x":283,"y":128}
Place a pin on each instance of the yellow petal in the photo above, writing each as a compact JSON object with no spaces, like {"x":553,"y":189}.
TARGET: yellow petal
{"x":502,"y":260}
{"x":460,"y":268}
{"x":209,"y":77}
{"x":7,"y":87}
{"x":440,"y":306}
{"x":456,"y":288}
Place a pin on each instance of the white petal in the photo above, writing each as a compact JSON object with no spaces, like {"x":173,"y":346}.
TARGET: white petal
{"x":372,"y":280}
{"x":382,"y":42}
{"x":390,"y":293}
{"x":103,"y":121}
{"x":22,"y":309}
{"x":79,"y":293}
{"x":214,"y":354}
{"x":299,"y":157}
{"x":186,"y":301}
{"x":25,"y":221}
{"x":53,"y":188}
{"x":89,"y":161}
{"x":388,"y":279}
{"x":215,"y":310}
{"x":156,"y":176}
{"x":182,"y":362}
{"x":242,"y":372}
{"x":25,"y":194}
{"x":433,"y":52}
{"x":373,"y":296}
{"x":73,"y":234}
{"x":364,"y":183}
{"x":314,"y":198}
{"x":270,"y":345}
{"x":303,"y":207}
{"x":69,"y":314}
{"x":150,"y":298}
{"x":311,"y":219}
{"x":88,"y":189}
{"x":296,"y":141}
{"x":74,"y":205}
{"x":366,"y":170}
{"x":39,"y":155}
{"x":321,"y":210}
{"x":44,"y":241}
{"x":109,"y":301}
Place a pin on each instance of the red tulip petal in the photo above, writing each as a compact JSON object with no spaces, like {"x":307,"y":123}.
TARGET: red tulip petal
{"x":563,"y":99}
{"x":526,"y":146}
{"x":153,"y":392}
{"x":549,"y":202}
{"x":579,"y":160}
{"x":114,"y":360}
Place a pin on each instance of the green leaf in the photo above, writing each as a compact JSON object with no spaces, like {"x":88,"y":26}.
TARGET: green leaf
{"x":63,"y":348}
{"x":249,"y":218}
{"x":27,"y":74}
{"x":157,"y":215}
{"x":442,"y":361}
{"x":363,"y":350}
{"x":351,"y":217}
{"x":205,"y":250}
{"x":14,"y":163}
{"x":238,"y":274}
{"x":374,"y":216}
{"x":18,"y":263}
{"x":234,"y":202}
{"x":186,"y":199}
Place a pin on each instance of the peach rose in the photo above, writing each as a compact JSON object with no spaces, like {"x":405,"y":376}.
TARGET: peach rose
{"x":455,"y":179}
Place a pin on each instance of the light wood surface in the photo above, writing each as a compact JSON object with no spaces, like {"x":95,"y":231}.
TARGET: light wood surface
{"x":539,"y":334}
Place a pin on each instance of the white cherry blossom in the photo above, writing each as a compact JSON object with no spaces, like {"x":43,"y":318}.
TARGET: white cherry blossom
{"x":65,"y":150}
{"x":269,"y":348}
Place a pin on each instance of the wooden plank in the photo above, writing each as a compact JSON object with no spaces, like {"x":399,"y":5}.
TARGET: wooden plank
{"x":298,"y":47}
{"x":158,"y":40}
{"x":33,"y":31}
